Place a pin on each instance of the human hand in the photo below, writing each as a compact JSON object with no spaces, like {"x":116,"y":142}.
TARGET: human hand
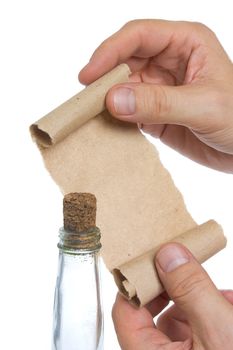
{"x":180,"y":90}
{"x":200,"y":319}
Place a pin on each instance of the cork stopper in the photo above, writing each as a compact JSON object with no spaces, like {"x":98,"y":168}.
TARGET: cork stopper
{"x":79,"y":210}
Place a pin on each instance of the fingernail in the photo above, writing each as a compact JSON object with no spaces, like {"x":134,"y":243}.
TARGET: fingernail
{"x":124,"y":101}
{"x":172,"y":256}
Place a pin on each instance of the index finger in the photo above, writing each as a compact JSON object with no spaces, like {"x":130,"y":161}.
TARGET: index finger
{"x":135,"y":327}
{"x":139,"y":39}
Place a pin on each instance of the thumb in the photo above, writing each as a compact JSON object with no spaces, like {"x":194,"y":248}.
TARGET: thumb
{"x":156,"y":104}
{"x":189,"y":286}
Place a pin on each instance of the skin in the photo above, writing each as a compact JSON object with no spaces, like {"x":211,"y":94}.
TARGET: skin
{"x":136,"y":329}
{"x":180,"y":91}
{"x":182,"y":80}
{"x":200,"y":318}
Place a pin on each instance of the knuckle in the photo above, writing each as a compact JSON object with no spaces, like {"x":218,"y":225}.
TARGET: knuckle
{"x":132,"y":23}
{"x":203,"y":31}
{"x":189,"y":287}
{"x":200,"y":26}
{"x":135,"y":21}
{"x":157,"y":103}
{"x":138,"y":25}
{"x":105,"y":44}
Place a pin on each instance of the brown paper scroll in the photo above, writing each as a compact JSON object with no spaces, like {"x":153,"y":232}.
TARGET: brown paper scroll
{"x":138,"y":205}
{"x":203,"y":241}
{"x":72,"y":114}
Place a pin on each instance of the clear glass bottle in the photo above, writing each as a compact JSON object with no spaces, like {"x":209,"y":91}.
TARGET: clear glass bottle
{"x":78,"y":316}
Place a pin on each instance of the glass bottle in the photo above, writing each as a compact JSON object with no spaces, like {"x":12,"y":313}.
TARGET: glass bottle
{"x":78,"y":316}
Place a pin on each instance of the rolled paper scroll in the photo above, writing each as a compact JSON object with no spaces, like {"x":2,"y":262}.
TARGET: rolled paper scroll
{"x":85,"y":149}
{"x":138,"y":280}
{"x":73,"y":113}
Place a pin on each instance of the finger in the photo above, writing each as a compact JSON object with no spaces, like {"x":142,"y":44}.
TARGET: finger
{"x":174,"y":324}
{"x":193,"y":292}
{"x":140,"y":38}
{"x":185,"y":142}
{"x":135,"y":328}
{"x":158,"y":304}
{"x":160,"y":104}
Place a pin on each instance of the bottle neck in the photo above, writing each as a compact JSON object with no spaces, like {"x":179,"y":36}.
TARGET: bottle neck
{"x":78,"y":318}
{"x":85,"y":242}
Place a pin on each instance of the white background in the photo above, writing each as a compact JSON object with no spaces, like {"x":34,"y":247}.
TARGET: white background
{"x":43,"y":46}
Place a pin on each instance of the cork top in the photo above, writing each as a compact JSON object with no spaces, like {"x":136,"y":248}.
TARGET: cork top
{"x":79,"y":210}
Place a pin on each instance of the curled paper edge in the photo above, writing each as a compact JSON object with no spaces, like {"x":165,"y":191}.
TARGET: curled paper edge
{"x":76,"y":111}
{"x":138,"y":280}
